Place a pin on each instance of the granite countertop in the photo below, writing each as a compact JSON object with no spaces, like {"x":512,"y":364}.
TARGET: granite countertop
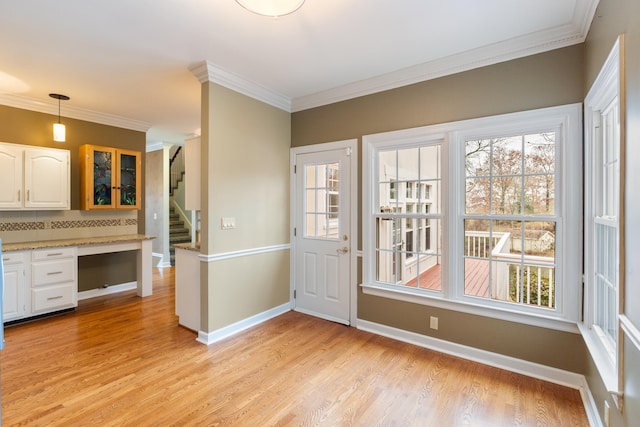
{"x":84,"y":241}
{"x":188,"y":246}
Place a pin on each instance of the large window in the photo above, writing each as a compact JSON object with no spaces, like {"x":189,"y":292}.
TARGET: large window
{"x":409,"y":260}
{"x":603,"y":287}
{"x":510,"y":223}
{"x":482,"y":208}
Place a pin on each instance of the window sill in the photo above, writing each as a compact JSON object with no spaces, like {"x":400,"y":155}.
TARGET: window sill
{"x":601,"y":358}
{"x":433,"y":300}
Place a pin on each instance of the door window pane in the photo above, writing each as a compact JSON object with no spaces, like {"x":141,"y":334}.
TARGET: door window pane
{"x":322,"y":201}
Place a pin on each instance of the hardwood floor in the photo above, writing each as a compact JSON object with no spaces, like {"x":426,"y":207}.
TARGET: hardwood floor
{"x":124,"y":361}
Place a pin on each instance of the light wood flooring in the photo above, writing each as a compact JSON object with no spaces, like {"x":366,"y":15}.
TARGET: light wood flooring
{"x":121,"y":360}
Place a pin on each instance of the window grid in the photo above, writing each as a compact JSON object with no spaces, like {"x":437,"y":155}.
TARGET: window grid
{"x":322,"y":201}
{"x":406,"y":171}
{"x":509,"y":221}
{"x":546,"y":193}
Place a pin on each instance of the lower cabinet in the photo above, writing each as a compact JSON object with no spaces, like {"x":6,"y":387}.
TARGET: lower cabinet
{"x":188,"y":288}
{"x":39,"y":282}
{"x":54,"y":283}
{"x":14,"y":303}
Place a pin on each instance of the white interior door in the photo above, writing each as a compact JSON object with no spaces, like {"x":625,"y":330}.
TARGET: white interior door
{"x":322,"y":211}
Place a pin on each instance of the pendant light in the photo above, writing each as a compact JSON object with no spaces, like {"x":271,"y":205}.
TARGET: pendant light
{"x":59,"y":131}
{"x":273,"y":8}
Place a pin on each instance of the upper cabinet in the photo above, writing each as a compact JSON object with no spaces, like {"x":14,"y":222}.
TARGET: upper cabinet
{"x":34,"y":178}
{"x":109,"y":178}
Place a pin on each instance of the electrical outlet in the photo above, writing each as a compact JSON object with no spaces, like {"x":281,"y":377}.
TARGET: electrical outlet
{"x":433,"y":322}
{"x":228,"y":223}
{"x":607,"y":414}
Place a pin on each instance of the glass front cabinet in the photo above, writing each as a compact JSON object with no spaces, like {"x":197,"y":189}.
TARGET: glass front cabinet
{"x":109,"y":178}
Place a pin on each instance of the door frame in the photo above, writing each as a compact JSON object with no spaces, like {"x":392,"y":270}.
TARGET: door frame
{"x":348,"y":144}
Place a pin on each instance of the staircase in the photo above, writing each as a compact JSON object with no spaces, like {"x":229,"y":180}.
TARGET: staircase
{"x":178,"y":233}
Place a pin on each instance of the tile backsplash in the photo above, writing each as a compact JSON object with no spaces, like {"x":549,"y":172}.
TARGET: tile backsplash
{"x":28,"y":226}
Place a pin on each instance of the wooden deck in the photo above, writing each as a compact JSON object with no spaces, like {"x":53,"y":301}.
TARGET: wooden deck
{"x":476,"y":274}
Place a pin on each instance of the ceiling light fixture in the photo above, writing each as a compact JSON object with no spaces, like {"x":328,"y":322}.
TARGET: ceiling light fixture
{"x":59,"y":131}
{"x":273,"y":8}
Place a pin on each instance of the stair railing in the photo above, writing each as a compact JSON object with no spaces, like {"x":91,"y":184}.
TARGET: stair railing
{"x":176,"y":169}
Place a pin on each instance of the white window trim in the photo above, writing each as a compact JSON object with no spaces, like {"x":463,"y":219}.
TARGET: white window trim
{"x":605,"y":89}
{"x":568,"y":119}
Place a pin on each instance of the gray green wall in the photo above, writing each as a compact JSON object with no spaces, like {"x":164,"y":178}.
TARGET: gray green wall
{"x":544,"y":80}
{"x":614,"y":17}
{"x":245,"y":175}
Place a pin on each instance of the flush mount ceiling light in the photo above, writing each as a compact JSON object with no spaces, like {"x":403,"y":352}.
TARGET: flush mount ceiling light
{"x":273,"y":8}
{"x":59,"y":131}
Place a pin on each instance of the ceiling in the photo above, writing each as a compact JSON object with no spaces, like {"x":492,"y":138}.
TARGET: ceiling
{"x":128,"y":63}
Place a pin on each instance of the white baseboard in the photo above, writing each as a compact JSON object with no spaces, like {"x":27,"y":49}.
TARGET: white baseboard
{"x":535,"y":370}
{"x":91,"y":293}
{"x":162,"y":263}
{"x":209,"y":338}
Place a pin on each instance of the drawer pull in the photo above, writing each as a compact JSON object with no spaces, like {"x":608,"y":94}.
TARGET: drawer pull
{"x":5,"y":259}
{"x":52,"y":298}
{"x":51,"y":273}
{"x":55,"y":254}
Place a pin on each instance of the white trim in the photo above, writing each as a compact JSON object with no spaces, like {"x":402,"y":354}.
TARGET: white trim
{"x":632,"y":332}
{"x":534,"y":370}
{"x":242,"y":253}
{"x":72,"y":112}
{"x":159,"y":145}
{"x":209,"y":338}
{"x":112,"y":289}
{"x":207,"y":71}
{"x":519,"y":47}
{"x":605,"y":88}
{"x":162,"y":263}
{"x":349,"y":144}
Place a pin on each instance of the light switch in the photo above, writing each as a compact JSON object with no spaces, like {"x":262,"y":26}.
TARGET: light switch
{"x":228,"y":223}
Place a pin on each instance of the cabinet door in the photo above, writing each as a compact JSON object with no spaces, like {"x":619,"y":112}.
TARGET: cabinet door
{"x":129,"y":165}
{"x":10,"y":176}
{"x":46,"y":178}
{"x":109,"y":178}
{"x":97,"y":182}
{"x":13,"y":304}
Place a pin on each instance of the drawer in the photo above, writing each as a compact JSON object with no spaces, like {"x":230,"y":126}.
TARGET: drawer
{"x":53,"y":271}
{"x":13,"y":257}
{"x":55,"y":253}
{"x":53,"y":297}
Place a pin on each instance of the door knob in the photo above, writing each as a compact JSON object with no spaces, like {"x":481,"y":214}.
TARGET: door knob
{"x":343,"y":250}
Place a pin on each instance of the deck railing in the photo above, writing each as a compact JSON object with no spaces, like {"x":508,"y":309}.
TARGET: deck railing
{"x":527,"y":279}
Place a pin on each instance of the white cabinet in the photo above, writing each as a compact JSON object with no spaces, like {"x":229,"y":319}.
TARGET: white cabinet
{"x":11,"y":162}
{"x":188,"y":288}
{"x":15,"y":289}
{"x":54,"y":284}
{"x":34,"y":178}
{"x":192,"y":158}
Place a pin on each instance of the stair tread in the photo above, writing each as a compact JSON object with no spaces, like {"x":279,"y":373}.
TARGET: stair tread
{"x":178,"y":230}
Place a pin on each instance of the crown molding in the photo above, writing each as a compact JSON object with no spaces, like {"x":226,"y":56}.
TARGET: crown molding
{"x":158,"y":145}
{"x":32,"y":104}
{"x":529,"y":44}
{"x":207,"y":71}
